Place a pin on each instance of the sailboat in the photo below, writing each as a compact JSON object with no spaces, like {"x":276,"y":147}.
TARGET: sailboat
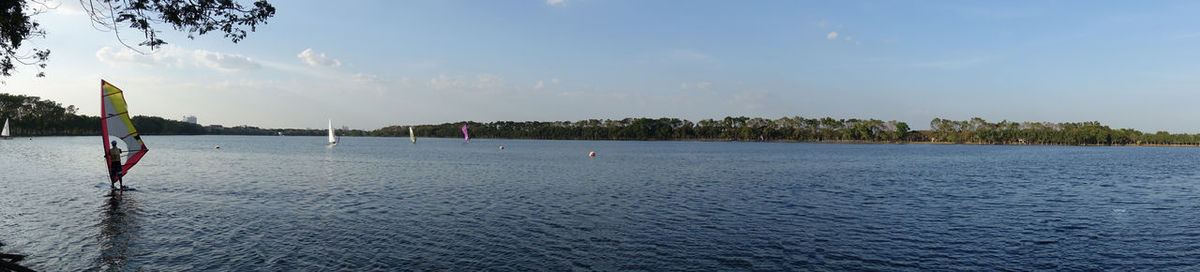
{"x":116,"y":123}
{"x":412,"y":136}
{"x":332,"y":138}
{"x":4,"y":133}
{"x":466,"y":136}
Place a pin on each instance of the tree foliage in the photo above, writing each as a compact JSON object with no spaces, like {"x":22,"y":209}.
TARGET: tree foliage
{"x":729,"y":128}
{"x":32,"y":116}
{"x":194,"y":17}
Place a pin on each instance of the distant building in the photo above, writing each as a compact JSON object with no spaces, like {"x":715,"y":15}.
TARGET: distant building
{"x":190,"y":119}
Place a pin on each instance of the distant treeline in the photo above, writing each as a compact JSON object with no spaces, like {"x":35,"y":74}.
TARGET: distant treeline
{"x":974,"y":131}
{"x":32,"y":116}
{"x":729,"y":128}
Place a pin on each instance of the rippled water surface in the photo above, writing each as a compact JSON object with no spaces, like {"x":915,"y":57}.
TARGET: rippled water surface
{"x":292,"y":203}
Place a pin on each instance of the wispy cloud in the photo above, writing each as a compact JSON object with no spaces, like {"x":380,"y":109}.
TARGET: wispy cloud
{"x":540,"y":84}
{"x":225,"y":62}
{"x":750,"y":100}
{"x":59,"y":7}
{"x":832,"y":35}
{"x":481,"y":82}
{"x":169,"y":56}
{"x":952,"y":63}
{"x":688,"y":55}
{"x":1186,"y":36}
{"x":312,"y":58}
{"x":556,"y":2}
{"x":702,"y":85}
{"x":175,"y":57}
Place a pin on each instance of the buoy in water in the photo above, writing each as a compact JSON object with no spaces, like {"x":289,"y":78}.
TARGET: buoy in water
{"x":218,"y":147}
{"x":502,"y":147}
{"x":592,"y":154}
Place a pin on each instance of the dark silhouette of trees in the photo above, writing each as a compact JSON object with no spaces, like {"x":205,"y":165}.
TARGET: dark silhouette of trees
{"x":32,"y":116}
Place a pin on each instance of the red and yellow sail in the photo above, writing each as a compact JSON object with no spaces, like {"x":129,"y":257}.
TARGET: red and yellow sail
{"x":115,"y":122}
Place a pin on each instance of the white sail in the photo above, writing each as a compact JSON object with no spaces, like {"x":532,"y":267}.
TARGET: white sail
{"x":4,"y":133}
{"x":332,"y":138}
{"x":410,"y":134}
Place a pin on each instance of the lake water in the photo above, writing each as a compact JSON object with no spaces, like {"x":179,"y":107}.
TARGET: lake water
{"x":292,"y":203}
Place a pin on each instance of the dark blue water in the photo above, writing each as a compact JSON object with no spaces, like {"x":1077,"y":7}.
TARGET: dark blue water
{"x":291,"y":203}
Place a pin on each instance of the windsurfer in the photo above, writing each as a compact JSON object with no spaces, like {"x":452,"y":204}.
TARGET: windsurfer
{"x":114,"y":165}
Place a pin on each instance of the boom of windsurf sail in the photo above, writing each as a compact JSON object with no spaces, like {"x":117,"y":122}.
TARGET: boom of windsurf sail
{"x":466,"y":136}
{"x":115,"y":122}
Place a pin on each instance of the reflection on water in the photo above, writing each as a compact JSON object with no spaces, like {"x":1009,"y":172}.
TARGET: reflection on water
{"x":118,"y":230}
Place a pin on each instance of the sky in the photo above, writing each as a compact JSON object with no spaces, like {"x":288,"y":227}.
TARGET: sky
{"x":370,"y":64}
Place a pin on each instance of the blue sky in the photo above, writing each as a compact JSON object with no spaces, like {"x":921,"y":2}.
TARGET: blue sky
{"x":369,"y":64}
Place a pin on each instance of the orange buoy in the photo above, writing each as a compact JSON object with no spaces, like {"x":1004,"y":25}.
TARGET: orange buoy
{"x":502,"y":147}
{"x":592,"y":154}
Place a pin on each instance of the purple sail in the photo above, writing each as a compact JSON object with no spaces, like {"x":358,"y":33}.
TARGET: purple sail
{"x":466,"y":136}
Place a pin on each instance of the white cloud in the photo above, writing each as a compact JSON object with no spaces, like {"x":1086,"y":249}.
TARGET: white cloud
{"x":539,"y":85}
{"x":168,"y":56}
{"x":703,"y":85}
{"x":312,"y":58}
{"x":482,"y":82}
{"x":225,"y":62}
{"x":832,"y":35}
{"x":60,"y":7}
{"x":488,"y":82}
{"x":556,"y":2}
{"x":443,"y":82}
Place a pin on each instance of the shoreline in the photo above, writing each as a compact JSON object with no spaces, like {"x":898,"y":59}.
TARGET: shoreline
{"x":681,"y":140}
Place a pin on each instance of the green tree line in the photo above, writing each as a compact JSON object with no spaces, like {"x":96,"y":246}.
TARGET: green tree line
{"x":33,"y":116}
{"x":729,"y":128}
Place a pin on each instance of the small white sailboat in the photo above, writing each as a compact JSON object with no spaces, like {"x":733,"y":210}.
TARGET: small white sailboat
{"x":332,"y":138}
{"x":4,"y":134}
{"x":412,"y":136}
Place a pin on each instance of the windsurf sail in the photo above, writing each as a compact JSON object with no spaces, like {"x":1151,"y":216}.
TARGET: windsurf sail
{"x":115,"y":122}
{"x":466,"y":136}
{"x":4,"y":133}
{"x":332,"y":138}
{"x":412,"y":136}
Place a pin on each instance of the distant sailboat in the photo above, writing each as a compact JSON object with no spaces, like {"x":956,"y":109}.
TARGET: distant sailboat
{"x":412,"y":136}
{"x":466,"y":136}
{"x":4,"y":134}
{"x":332,"y":138}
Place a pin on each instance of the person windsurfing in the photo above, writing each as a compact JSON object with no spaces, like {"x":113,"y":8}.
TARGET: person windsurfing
{"x":114,"y":165}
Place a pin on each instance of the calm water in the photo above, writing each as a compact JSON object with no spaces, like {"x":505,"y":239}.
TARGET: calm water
{"x":291,"y":203}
